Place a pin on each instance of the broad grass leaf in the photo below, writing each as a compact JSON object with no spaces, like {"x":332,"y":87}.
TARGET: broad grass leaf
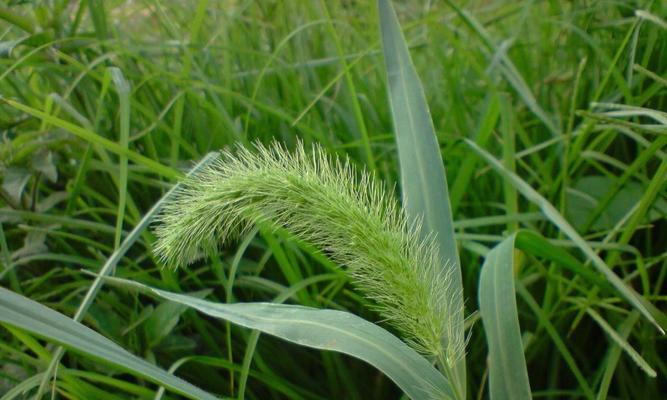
{"x":21,"y":312}
{"x":332,"y":330}
{"x":508,"y":376}
{"x":423,"y":179}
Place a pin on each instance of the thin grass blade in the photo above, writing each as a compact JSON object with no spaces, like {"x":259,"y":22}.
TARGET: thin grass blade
{"x":622,"y":342}
{"x":123,"y":89}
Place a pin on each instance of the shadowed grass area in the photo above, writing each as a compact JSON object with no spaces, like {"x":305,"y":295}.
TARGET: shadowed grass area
{"x":103,"y":103}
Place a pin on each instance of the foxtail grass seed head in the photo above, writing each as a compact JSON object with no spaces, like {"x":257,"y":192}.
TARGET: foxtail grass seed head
{"x":346,"y":214}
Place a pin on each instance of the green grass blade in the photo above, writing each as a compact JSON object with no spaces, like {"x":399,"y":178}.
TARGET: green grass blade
{"x":123,"y":88}
{"x":622,"y":342}
{"x":509,"y":158}
{"x":332,"y":330}
{"x":26,"y":314}
{"x":650,"y":312}
{"x":99,"y":17}
{"x":253,"y":338}
{"x":614,"y":355}
{"x":508,"y":376}
{"x":423,"y":179}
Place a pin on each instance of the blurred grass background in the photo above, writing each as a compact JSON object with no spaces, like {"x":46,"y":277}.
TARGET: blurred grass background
{"x":88,"y":85}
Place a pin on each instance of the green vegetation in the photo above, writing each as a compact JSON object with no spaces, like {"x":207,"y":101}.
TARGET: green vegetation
{"x":498,"y":161}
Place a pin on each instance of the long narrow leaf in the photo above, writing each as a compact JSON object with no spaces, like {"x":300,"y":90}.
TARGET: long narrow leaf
{"x":327,"y":330}
{"x":423,"y":179}
{"x":508,"y":376}
{"x":21,"y":312}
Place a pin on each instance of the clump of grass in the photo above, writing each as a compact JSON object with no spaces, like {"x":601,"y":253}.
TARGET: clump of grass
{"x":348,"y":216}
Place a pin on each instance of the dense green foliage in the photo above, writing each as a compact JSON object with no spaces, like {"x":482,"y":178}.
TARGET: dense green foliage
{"x":104,"y":105}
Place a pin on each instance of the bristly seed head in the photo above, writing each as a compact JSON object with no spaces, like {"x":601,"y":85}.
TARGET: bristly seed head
{"x":324,"y":201}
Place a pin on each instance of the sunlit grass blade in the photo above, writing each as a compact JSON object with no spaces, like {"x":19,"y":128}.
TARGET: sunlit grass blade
{"x":33,"y":317}
{"x":326,"y":330}
{"x":508,"y":375}
{"x":422,"y":172}
{"x":643,"y":14}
